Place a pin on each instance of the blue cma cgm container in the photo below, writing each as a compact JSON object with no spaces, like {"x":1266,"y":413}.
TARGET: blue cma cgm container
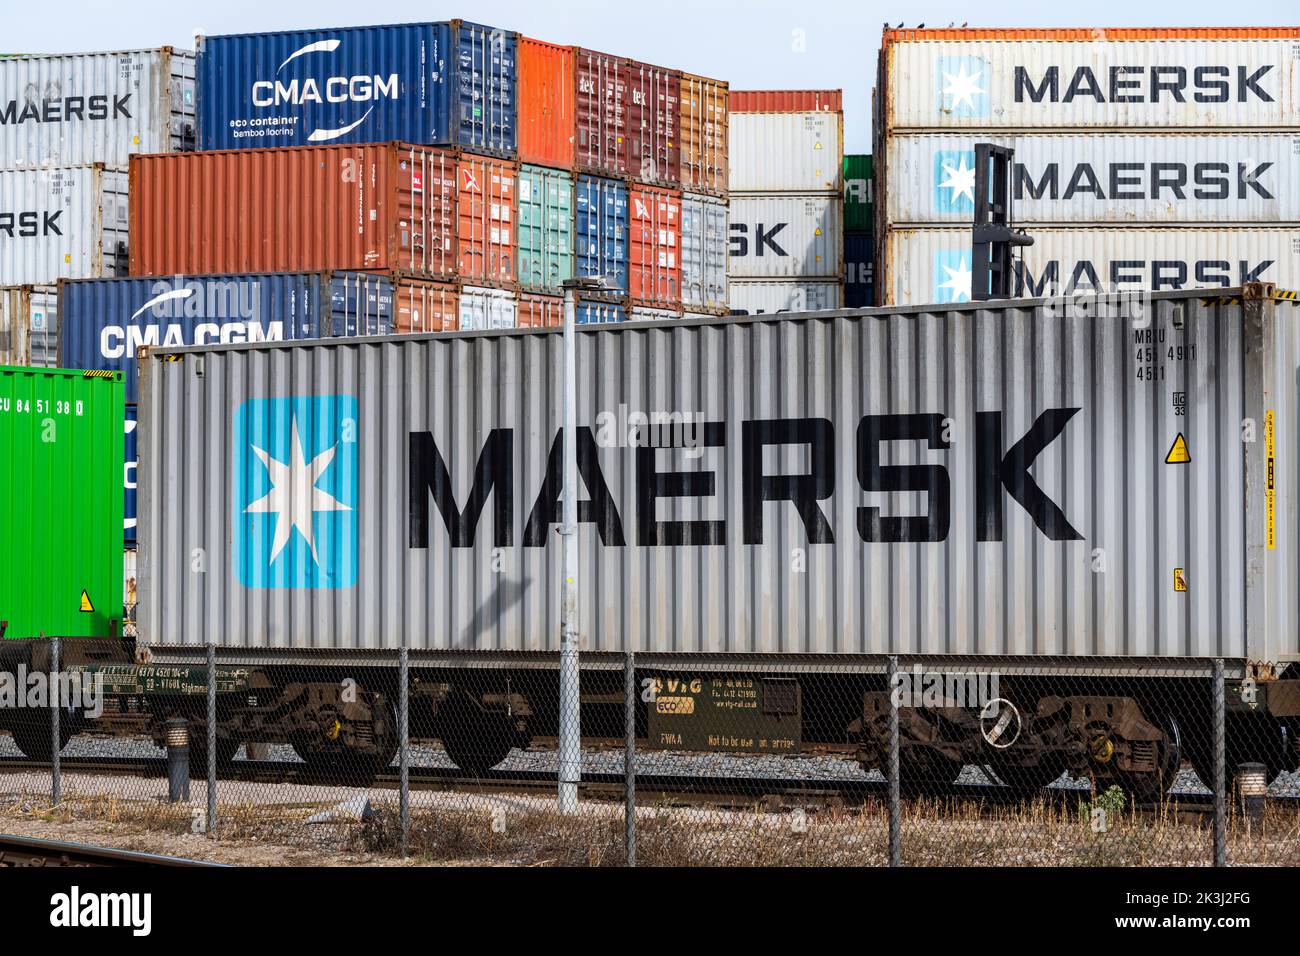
{"x":436,"y":84}
{"x":102,"y":322}
{"x":600,"y":230}
{"x":859,"y":286}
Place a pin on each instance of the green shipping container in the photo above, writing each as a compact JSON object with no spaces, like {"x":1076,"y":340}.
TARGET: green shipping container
{"x":545,"y":228}
{"x":61,"y":438}
{"x":859,"y":192}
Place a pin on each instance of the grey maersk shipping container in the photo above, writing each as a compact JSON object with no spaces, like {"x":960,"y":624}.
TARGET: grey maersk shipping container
{"x":84,"y":108}
{"x":1020,"y":478}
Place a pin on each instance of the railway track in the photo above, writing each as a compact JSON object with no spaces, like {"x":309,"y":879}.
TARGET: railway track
{"x":21,"y":851}
{"x":730,"y":792}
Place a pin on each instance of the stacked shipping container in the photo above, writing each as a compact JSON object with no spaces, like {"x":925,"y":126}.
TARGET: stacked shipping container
{"x":1156,"y":159}
{"x":859,"y":244}
{"x":786,"y":182}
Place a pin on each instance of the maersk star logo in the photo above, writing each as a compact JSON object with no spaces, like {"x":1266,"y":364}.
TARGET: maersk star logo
{"x":963,"y":85}
{"x":295,"y":492}
{"x":952,"y":272}
{"x":954,"y":181}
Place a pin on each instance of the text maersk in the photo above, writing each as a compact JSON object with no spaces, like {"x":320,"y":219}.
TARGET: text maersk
{"x":1157,"y":180}
{"x":1144,"y":84}
{"x":96,"y":108}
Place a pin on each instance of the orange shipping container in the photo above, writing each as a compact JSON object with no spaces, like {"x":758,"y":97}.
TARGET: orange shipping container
{"x":423,"y":306}
{"x":540,"y":311}
{"x":703,"y":132}
{"x":486,"y":210}
{"x":655,"y":239}
{"x":384,"y":206}
{"x":546,"y":115}
{"x":786,"y":101}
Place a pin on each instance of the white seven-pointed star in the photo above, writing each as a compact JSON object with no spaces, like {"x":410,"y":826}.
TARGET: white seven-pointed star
{"x":962,"y":86}
{"x":958,"y":281}
{"x":960,"y":181}
{"x":294,"y":497}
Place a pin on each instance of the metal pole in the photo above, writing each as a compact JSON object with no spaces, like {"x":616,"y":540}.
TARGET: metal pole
{"x":404,"y":754}
{"x":56,"y":776}
{"x":895,"y":806}
{"x":629,"y":755}
{"x":1220,"y":774}
{"x":570,"y":733}
{"x":212,"y":740}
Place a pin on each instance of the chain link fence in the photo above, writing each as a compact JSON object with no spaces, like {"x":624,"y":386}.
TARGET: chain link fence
{"x":763,"y":761}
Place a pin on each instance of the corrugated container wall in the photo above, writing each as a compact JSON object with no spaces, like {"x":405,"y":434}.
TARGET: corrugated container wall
{"x":651,"y":109}
{"x":787,"y":101}
{"x":67,"y":222}
{"x":486,"y":213}
{"x":793,"y":152}
{"x":786,"y":236}
{"x":704,"y":253}
{"x":859,"y":212}
{"x":654,"y":246}
{"x":600,"y":227}
{"x":601,"y":83}
{"x":760,"y":296}
{"x":934,"y":265}
{"x":540,"y":311}
{"x":546,"y":104}
{"x":380,"y":207}
{"x":62,"y":531}
{"x":484,"y":308}
{"x":545,"y":231}
{"x":1073,"y":79}
{"x":86,"y":108}
{"x":439,"y":84}
{"x":931,"y":576}
{"x":1113,"y":177}
{"x":29,"y":325}
{"x":859,"y":273}
{"x":591,"y":312}
{"x":703,"y":135}
{"x":423,"y":306}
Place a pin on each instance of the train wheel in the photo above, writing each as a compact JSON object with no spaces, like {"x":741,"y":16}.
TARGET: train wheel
{"x":1260,"y":740}
{"x":336,"y":758}
{"x":33,"y":737}
{"x":475,"y":741}
{"x":1150,"y":787}
{"x":226,"y":750}
{"x":1026,"y":781}
{"x":923,"y":771}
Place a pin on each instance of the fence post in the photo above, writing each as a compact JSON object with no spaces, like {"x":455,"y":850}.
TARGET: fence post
{"x":1220,"y":770}
{"x":56,"y":776}
{"x":404,"y":752}
{"x":212,"y":740}
{"x":629,"y":755}
{"x":895,"y":808}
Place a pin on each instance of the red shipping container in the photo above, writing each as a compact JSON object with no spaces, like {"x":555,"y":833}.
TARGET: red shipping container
{"x":786,"y":101}
{"x":601,"y":84}
{"x":654,"y":244}
{"x":651,"y":106}
{"x":486,"y":210}
{"x":702,"y":130}
{"x":378,"y":207}
{"x":540,"y":311}
{"x":546,"y":107}
{"x":423,"y":306}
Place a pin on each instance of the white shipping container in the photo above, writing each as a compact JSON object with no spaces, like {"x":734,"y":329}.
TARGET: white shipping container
{"x":86,"y":108}
{"x":925,"y":266}
{"x":1112,"y":177}
{"x":644,"y":314}
{"x":795,"y":152}
{"x":483,"y":308}
{"x":1080,"y":82}
{"x":786,"y":236}
{"x":704,"y":253}
{"x":758,"y":296}
{"x":29,"y":325}
{"x":67,"y":222}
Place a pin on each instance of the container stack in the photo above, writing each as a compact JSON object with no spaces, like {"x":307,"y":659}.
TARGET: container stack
{"x":477,"y":190}
{"x":859,"y":239}
{"x":786,"y":180}
{"x":68,"y":125}
{"x":1145,"y":159}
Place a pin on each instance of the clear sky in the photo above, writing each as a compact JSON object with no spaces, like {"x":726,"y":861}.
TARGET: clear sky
{"x":760,"y":44}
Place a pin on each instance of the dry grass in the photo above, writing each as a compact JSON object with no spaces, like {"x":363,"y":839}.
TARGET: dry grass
{"x":479,"y":832}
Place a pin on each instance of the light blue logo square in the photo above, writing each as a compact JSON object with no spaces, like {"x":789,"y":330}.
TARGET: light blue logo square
{"x":954,"y":181}
{"x":952,"y":272}
{"x":962,"y":83}
{"x":295,"y":481}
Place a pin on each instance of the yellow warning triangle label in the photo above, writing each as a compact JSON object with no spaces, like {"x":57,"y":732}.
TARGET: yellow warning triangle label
{"x":86,"y":606}
{"x":1178,"y":454}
